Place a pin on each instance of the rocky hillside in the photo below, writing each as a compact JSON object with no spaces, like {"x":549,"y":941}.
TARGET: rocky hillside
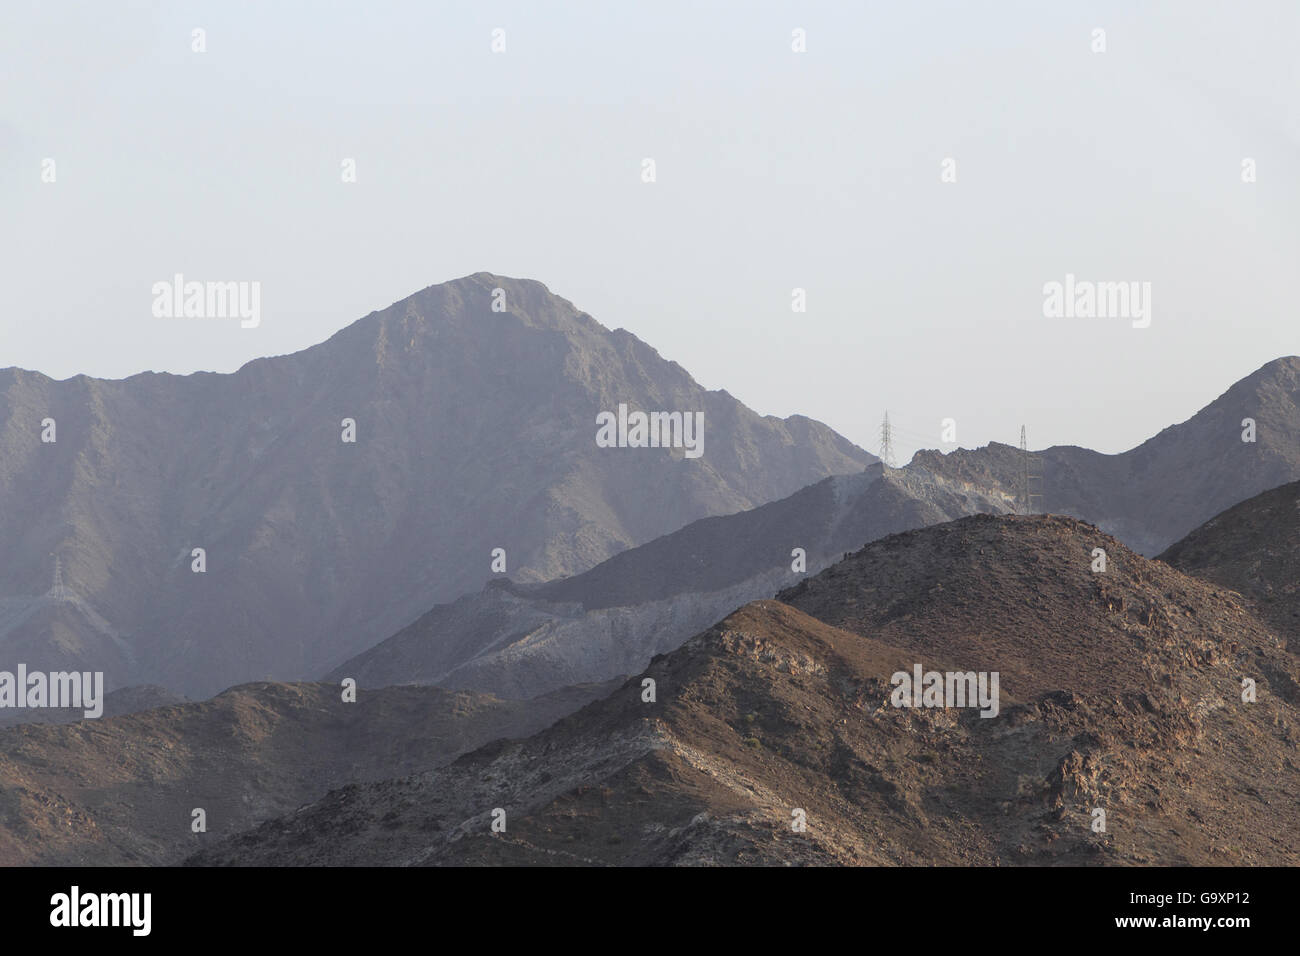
{"x":122,"y":790}
{"x":124,"y":700}
{"x":1253,"y":548}
{"x":1120,"y":691}
{"x":475,"y":429}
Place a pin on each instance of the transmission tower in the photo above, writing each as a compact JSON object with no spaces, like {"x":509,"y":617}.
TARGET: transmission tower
{"x":886,"y":443}
{"x":1030,"y":472}
{"x":58,"y":590}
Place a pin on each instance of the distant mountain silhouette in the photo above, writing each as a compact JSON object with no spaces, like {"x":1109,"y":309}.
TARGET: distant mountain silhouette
{"x":475,"y":430}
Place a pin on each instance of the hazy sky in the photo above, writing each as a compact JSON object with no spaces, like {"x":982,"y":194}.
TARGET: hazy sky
{"x":775,"y":170}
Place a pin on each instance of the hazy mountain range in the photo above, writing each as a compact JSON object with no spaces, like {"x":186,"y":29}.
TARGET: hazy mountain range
{"x":521,"y":640}
{"x":768,"y":587}
{"x":475,"y":430}
{"x":1119,"y":688}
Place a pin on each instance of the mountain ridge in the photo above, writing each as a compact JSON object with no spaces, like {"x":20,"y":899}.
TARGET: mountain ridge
{"x":121,"y":790}
{"x":1253,"y":548}
{"x":1121,"y":691}
{"x":516,"y":638}
{"x":317,"y":548}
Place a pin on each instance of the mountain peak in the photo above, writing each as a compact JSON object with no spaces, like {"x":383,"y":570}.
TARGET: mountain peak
{"x":483,"y":295}
{"x":401,"y":454}
{"x":1281,"y":372}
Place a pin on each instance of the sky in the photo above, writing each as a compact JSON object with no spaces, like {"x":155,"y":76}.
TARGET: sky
{"x":825,"y":170}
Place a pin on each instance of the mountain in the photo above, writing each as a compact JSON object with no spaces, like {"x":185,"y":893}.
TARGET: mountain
{"x":519,"y":639}
{"x":1154,"y":494}
{"x":121,"y":790}
{"x":124,"y":700}
{"x":1119,"y":691}
{"x":1253,"y":548}
{"x":475,"y":429}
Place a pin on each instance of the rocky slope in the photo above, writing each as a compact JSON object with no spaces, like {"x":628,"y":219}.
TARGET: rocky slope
{"x":121,"y":790}
{"x":1253,"y":548}
{"x":475,"y":430}
{"x":1120,"y":691}
{"x":124,"y":700}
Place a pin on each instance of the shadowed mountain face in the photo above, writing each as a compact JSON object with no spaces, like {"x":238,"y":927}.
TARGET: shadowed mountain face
{"x":517,"y":640}
{"x":1253,"y":548}
{"x":1120,"y":691}
{"x":475,"y":430}
{"x":122,"y":790}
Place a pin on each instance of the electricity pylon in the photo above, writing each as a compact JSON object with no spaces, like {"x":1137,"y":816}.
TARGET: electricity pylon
{"x":58,"y":590}
{"x":1030,"y":465}
{"x":886,"y":443}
